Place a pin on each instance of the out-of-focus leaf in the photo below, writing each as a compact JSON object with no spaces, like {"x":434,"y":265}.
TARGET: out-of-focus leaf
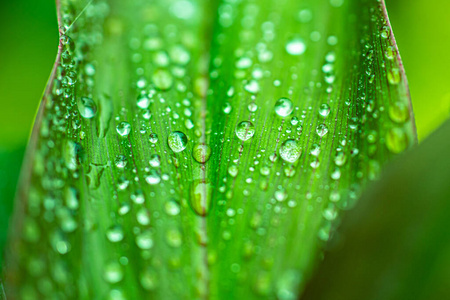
{"x":395,"y":244}
{"x":203,"y":149}
{"x":10,"y":162}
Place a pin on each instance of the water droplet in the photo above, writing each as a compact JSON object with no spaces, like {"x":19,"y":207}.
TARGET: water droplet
{"x":321,"y":130}
{"x":200,"y":197}
{"x":174,"y":238}
{"x":394,"y":76}
{"x":123,"y":129}
{"x":153,"y":138}
{"x":396,"y":140}
{"x":177,"y":141}
{"x":294,"y":121}
{"x":252,"y":107}
{"x":120,"y":161}
{"x":143,"y":101}
{"x":245,"y":130}
{"x":201,"y":152}
{"x":290,"y":151}
{"x":398,"y":112}
{"x":324,"y":110}
{"x":280,"y":194}
{"x":153,"y":178}
{"x":284,"y":107}
{"x":115,"y":233}
{"x":172,"y":208}
{"x":233,"y":170}
{"x":296,"y":46}
{"x":340,"y":159}
{"x":162,"y":79}
{"x":287,"y":285}
{"x":87,"y":107}
{"x":144,"y":240}
{"x":252,"y":87}
{"x":113,"y":272}
{"x":155,"y":160}
{"x":227,"y":108}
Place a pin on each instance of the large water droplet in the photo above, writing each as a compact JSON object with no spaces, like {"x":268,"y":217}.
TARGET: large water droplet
{"x":245,"y":130}
{"x":296,"y":46}
{"x":284,"y":107}
{"x":322,"y":130}
{"x":123,"y":129}
{"x":177,"y":141}
{"x":115,"y":233}
{"x":201,"y":152}
{"x":143,"y":101}
{"x":87,"y":107}
{"x":200,"y":196}
{"x":113,"y":272}
{"x":162,"y":79}
{"x":324,"y":110}
{"x":290,"y":150}
{"x":396,"y":140}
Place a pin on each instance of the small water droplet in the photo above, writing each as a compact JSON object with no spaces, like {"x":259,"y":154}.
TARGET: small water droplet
{"x":153,"y":138}
{"x":87,"y":107}
{"x":321,"y":130}
{"x":201,"y":152}
{"x":177,"y":141}
{"x":296,"y":46}
{"x":245,"y":130}
{"x":200,"y":197}
{"x":290,"y":151}
{"x":123,"y":129}
{"x":143,"y":101}
{"x":324,"y":110}
{"x":284,"y":107}
{"x":396,"y":140}
{"x":115,"y":233}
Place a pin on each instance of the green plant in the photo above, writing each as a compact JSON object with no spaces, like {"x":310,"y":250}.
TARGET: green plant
{"x":203,"y":149}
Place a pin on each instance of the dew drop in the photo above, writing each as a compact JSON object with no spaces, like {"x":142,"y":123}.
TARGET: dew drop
{"x":177,"y":141}
{"x":200,"y":196}
{"x":396,"y":140}
{"x":144,"y":240}
{"x":324,"y":110}
{"x":87,"y":107}
{"x":284,"y":107}
{"x":398,"y":112}
{"x":153,"y":178}
{"x":113,"y":272}
{"x":296,"y":46}
{"x":322,"y":130}
{"x":245,"y":130}
{"x":201,"y":152}
{"x":120,"y":161}
{"x":115,"y":233}
{"x":162,"y":79}
{"x":143,"y":101}
{"x":172,"y":208}
{"x":155,"y":160}
{"x":123,"y":129}
{"x":290,"y":150}
{"x":153,"y":138}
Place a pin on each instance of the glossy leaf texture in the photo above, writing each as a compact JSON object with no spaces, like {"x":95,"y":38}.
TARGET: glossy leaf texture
{"x":203,"y":149}
{"x":394,"y":244}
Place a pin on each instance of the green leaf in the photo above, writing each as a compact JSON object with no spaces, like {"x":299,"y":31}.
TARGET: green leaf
{"x":394,"y":244}
{"x":10,"y":162}
{"x":197,"y":149}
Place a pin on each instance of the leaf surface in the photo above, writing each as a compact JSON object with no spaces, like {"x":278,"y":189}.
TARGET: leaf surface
{"x":203,"y":149}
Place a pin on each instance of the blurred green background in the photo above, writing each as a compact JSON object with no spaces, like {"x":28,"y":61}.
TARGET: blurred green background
{"x":29,"y":39}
